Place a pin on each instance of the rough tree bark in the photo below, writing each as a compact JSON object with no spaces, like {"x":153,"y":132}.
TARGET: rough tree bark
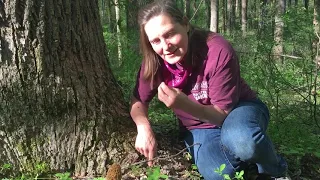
{"x":60,"y":104}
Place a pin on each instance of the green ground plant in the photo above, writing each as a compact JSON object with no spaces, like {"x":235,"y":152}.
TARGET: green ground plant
{"x":238,"y":175}
{"x":154,"y":173}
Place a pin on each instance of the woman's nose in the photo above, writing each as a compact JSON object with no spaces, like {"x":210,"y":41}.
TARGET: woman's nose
{"x":166,"y":45}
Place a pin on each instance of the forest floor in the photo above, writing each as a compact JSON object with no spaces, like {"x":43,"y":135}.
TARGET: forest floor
{"x":173,"y":163}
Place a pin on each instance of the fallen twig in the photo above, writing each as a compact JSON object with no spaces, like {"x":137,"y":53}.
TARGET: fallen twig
{"x":161,"y":157}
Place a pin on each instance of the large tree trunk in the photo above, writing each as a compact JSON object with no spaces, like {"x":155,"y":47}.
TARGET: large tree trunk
{"x":60,"y":105}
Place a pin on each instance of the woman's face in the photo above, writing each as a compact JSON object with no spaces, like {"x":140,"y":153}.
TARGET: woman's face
{"x":167,"y":38}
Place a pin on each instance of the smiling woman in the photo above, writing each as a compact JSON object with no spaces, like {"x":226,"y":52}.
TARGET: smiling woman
{"x":168,"y":38}
{"x":196,"y":73}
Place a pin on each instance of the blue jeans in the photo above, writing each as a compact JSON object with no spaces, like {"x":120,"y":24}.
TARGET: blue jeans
{"x":242,"y":139}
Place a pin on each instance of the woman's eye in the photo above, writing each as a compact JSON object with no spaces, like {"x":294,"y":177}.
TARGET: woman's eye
{"x":170,"y":34}
{"x":155,"y":41}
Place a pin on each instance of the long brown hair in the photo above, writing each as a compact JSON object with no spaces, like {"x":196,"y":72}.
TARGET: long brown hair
{"x":151,"y":59}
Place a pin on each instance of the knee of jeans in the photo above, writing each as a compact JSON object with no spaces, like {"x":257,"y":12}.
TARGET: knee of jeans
{"x":241,"y":146}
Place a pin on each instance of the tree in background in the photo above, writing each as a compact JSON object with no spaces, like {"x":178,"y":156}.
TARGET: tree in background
{"x":118,"y":20}
{"x":214,"y":18}
{"x":316,"y":20}
{"x":278,"y":29}
{"x":229,"y":18}
{"x":187,"y":8}
{"x":306,"y":4}
{"x":244,"y":17}
{"x":132,"y":15}
{"x":60,"y":104}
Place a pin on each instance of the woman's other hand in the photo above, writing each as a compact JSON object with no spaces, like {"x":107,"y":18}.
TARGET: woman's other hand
{"x":146,"y":143}
{"x":171,"y":97}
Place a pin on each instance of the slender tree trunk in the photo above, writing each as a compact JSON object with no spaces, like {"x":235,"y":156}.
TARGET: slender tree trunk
{"x":237,"y":8}
{"x":229,"y":16}
{"x":187,"y":8}
{"x":278,"y":29}
{"x":132,"y":7}
{"x":233,"y":15}
{"x":238,"y":12}
{"x":316,"y":17}
{"x":316,"y":25}
{"x":208,"y":12}
{"x":214,"y":25}
{"x":289,"y":3}
{"x":224,"y":17}
{"x":263,"y":14}
{"x":118,"y":20}
{"x":306,"y":4}
{"x":60,"y":105}
{"x":255,"y":14}
{"x":194,"y":15}
{"x":102,"y":11}
{"x":244,"y":17}
{"x":111,"y":16}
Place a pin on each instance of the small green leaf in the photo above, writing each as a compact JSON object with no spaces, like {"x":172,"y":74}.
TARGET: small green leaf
{"x":194,"y":167}
{"x":226,"y":177}
{"x":317,"y":154}
{"x":222,"y":167}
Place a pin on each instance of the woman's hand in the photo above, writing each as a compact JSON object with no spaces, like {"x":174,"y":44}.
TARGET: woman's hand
{"x":172,"y":97}
{"x":146,"y":143}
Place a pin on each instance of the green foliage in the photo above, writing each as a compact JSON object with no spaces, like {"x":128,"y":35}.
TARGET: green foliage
{"x":194,"y":167}
{"x":63,"y":176}
{"x":238,"y":175}
{"x":154,"y":173}
{"x":99,"y":178}
{"x":136,"y":170}
{"x":5,"y":167}
{"x":188,"y":156}
{"x":41,"y":168}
